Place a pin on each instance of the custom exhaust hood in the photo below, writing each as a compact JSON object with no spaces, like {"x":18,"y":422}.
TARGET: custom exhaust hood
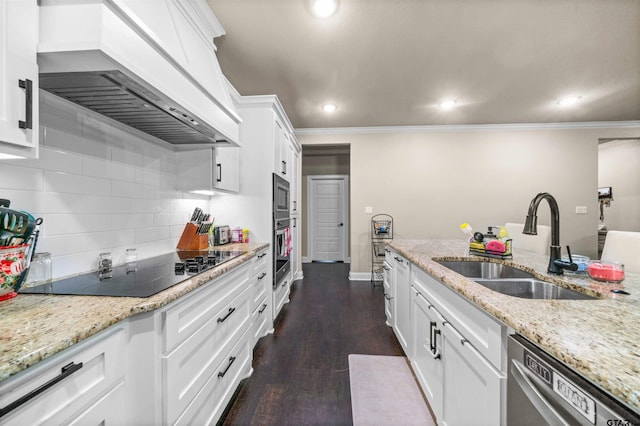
{"x":158,"y":75}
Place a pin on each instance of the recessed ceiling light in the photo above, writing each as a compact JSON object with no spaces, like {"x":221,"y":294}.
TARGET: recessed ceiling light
{"x":329,"y":107}
{"x":324,"y":8}
{"x":571,"y":100}
{"x":448,"y":104}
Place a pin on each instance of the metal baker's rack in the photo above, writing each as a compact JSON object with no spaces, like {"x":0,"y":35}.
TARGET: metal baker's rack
{"x":381,"y":234}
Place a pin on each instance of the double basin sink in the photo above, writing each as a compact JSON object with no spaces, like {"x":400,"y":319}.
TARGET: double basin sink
{"x":511,"y":281}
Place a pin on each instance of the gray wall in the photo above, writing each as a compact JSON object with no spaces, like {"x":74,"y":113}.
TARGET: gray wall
{"x":431,"y":182}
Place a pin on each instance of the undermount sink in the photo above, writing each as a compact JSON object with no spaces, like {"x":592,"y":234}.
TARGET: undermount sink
{"x":512,"y":281}
{"x":487,"y":270}
{"x":531,"y":288}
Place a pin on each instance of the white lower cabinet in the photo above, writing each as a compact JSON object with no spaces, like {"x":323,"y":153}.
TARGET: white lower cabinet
{"x":260,"y":306}
{"x":388,"y":293}
{"x":187,"y":358}
{"x":463,"y":384}
{"x":90,"y":389}
{"x":402,"y":301}
{"x":281,"y":295}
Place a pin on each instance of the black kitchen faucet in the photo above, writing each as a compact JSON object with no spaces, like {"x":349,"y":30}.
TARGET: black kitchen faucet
{"x":556,"y":264}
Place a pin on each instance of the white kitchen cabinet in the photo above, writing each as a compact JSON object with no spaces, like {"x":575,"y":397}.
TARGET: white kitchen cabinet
{"x":296,"y":272}
{"x":92,"y":389}
{"x":281,"y":295}
{"x":19,"y":113}
{"x":178,"y":354}
{"x":425,"y":360}
{"x":206,"y":170}
{"x":389,"y":287}
{"x":461,"y":383}
{"x":260,"y":306}
{"x":473,"y":389}
{"x":264,"y":124}
{"x":294,"y":161}
{"x":281,"y":141}
{"x":402,"y":301}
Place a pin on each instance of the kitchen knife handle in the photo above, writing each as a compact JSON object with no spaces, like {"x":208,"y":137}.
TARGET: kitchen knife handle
{"x":27,"y":85}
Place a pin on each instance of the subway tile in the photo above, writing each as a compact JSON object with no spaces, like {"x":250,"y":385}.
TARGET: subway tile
{"x":131,"y":221}
{"x":60,"y":224}
{"x":15,"y":176}
{"x":106,"y":204}
{"x":55,"y":160}
{"x":108,"y":240}
{"x":108,"y":169}
{"x":76,"y":184}
{"x":59,"y":140}
{"x":145,"y":235}
{"x":60,"y":245}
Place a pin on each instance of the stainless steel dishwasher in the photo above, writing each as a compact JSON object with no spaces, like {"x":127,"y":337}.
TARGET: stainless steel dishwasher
{"x":541,"y":390}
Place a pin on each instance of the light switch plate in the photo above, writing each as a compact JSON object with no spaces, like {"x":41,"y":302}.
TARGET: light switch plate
{"x":368,"y":210}
{"x":581,"y":209}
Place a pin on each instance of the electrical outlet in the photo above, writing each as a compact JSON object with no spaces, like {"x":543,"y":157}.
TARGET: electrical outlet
{"x":368,"y":210}
{"x":581,"y":209}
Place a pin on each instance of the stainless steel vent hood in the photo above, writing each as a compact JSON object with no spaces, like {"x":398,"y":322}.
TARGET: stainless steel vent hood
{"x":100,"y":54}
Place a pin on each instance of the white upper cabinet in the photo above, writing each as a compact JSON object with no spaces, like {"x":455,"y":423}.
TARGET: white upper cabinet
{"x":18,"y":79}
{"x":207,"y":170}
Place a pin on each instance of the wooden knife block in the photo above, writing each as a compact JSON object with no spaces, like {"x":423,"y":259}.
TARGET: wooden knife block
{"x":190,"y":240}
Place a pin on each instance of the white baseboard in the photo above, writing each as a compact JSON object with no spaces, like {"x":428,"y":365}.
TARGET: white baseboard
{"x":360,"y":276}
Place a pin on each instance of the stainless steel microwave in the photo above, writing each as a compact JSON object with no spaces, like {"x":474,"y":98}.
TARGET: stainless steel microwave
{"x":280,"y":198}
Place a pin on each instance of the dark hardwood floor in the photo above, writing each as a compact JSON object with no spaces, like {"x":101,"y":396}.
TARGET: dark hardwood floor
{"x":301,"y":372}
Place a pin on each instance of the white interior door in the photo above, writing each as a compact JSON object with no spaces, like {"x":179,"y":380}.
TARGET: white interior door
{"x":328,"y":226}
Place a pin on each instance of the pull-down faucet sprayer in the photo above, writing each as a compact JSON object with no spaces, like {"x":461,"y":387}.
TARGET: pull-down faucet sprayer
{"x":556,"y":264}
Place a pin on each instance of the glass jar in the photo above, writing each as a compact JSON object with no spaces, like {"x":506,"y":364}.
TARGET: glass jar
{"x":39,"y":270}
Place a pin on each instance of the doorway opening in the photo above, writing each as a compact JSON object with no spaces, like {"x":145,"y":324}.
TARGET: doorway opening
{"x":325,"y":220}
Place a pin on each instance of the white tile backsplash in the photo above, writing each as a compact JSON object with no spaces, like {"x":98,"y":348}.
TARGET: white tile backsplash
{"x":98,"y":187}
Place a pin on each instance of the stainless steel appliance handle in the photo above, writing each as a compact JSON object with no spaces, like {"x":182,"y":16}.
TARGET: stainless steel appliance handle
{"x":535,"y":397}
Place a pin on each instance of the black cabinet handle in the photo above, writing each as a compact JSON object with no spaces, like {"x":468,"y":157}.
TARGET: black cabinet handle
{"x":67,"y":370}
{"x":285,"y":283}
{"x":260,"y":256}
{"x":263,"y":308}
{"x":284,"y":167}
{"x":262,"y":275}
{"x":223,"y":319}
{"x":27,"y":85}
{"x":219,"y":177}
{"x":222,"y":373}
{"x":295,"y":222}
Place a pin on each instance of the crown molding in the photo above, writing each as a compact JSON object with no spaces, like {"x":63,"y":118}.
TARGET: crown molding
{"x":469,"y":128}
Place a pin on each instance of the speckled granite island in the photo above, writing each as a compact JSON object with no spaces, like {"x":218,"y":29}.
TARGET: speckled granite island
{"x":35,"y":327}
{"x":600,"y":339}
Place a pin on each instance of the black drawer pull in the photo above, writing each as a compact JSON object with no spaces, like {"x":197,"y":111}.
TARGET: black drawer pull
{"x":222,"y":373}
{"x":224,"y":318}
{"x":262,"y":275}
{"x":219,"y":177}
{"x":27,"y":85}
{"x":263,"y":308}
{"x":67,"y":370}
{"x":284,"y":283}
{"x":260,"y":256}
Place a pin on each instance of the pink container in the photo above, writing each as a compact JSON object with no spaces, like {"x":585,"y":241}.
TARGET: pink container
{"x":608,"y":272}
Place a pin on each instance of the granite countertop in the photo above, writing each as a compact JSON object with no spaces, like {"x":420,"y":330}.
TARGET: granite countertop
{"x":600,"y":339}
{"x":37,"y":326}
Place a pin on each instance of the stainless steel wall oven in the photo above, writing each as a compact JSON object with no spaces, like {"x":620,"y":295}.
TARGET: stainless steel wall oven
{"x":281,"y":230}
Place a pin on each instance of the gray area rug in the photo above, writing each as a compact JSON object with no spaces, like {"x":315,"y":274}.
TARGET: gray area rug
{"x":384,"y":392}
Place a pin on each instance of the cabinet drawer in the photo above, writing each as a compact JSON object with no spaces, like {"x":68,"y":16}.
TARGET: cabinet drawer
{"x":210,"y":402}
{"x":188,"y":368}
{"x":260,"y":319}
{"x":105,"y":411}
{"x":102,"y":359}
{"x":483,"y":332}
{"x":184,"y":317}
{"x":260,"y":262}
{"x":259,"y":289}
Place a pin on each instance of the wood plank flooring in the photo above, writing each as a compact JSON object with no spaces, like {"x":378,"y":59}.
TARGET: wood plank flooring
{"x":301,"y":372}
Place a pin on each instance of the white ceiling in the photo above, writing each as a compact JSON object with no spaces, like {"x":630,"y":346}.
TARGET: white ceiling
{"x":391,"y":62}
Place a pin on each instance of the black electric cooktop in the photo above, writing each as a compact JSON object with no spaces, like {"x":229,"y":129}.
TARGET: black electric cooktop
{"x":151,"y":275}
